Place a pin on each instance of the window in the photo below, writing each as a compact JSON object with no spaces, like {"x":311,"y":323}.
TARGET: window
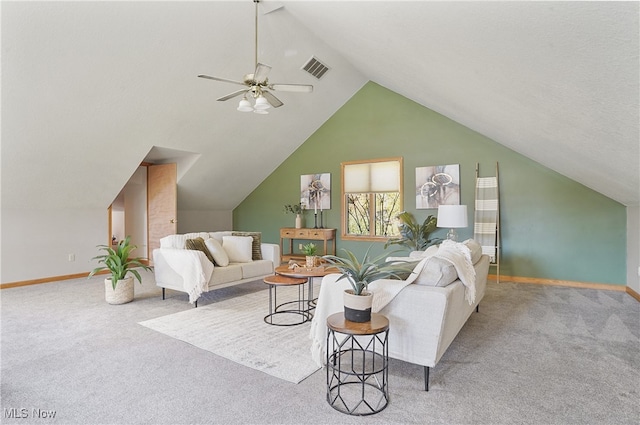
{"x":372,"y":197}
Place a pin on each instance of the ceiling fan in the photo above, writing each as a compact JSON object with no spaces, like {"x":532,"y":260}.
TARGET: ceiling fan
{"x":257,"y":85}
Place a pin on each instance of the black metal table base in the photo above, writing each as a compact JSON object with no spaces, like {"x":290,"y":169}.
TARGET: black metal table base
{"x":279,"y":310}
{"x":358,"y":373}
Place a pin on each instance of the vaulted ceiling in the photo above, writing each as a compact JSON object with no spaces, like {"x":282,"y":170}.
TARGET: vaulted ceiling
{"x":89,"y":88}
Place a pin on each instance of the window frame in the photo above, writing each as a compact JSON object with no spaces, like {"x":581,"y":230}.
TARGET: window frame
{"x":372,"y":237}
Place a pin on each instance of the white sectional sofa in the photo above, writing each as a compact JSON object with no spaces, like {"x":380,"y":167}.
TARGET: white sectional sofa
{"x":424,"y":317}
{"x":191,"y":271}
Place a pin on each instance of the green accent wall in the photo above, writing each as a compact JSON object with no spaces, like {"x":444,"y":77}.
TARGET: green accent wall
{"x":552,"y":227}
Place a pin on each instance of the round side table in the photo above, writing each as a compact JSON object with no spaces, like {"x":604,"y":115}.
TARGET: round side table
{"x":297,"y":307}
{"x":357,"y":364}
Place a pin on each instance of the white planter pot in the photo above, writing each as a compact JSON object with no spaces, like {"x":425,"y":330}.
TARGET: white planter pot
{"x":122,"y":294}
{"x":298,"y":221}
{"x":357,"y":308}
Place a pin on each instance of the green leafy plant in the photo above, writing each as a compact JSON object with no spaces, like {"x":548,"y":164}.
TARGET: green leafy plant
{"x":309,"y":249}
{"x":361,"y":273}
{"x":117,"y":261}
{"x":413,"y":235}
{"x":294,"y":209}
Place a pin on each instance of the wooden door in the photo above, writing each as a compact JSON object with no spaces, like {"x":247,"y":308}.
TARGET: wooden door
{"x":162,"y":205}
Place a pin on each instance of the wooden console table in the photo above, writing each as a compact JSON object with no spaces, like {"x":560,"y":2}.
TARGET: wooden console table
{"x":291,"y":233}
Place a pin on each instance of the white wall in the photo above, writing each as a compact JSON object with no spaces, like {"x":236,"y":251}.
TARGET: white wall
{"x":117,"y":224}
{"x":633,"y":248}
{"x":204,"y":221}
{"x":135,"y":211}
{"x":36,"y":243}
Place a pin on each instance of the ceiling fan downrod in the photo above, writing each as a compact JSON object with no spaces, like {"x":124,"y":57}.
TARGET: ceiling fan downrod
{"x":255,"y":57}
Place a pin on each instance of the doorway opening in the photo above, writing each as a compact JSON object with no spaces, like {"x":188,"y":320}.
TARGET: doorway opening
{"x":146,"y":207}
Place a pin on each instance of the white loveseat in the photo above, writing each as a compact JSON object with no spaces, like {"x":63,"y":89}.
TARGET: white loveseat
{"x":191,"y":271}
{"x":423,"y":318}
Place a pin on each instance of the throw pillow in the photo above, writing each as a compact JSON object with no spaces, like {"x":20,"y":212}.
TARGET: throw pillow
{"x":256,"y":250}
{"x":424,"y":254}
{"x":218,"y":253}
{"x":218,"y":235}
{"x":198,"y":245}
{"x":437,"y":272}
{"x":238,"y":248}
{"x":475,"y":248}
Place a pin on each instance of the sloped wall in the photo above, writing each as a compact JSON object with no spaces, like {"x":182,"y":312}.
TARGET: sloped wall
{"x":552,"y":227}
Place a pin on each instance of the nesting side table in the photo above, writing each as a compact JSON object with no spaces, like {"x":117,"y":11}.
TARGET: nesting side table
{"x":357,"y":364}
{"x":299,"y":308}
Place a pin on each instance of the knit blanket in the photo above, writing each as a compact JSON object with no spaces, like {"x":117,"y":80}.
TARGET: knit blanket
{"x":459,"y":255}
{"x":331,"y":301}
{"x":195,"y":271}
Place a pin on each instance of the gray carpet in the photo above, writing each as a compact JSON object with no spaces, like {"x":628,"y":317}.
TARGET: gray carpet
{"x":532,"y":355}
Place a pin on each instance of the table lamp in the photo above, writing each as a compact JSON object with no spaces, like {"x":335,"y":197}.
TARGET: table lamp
{"x":452,"y":217}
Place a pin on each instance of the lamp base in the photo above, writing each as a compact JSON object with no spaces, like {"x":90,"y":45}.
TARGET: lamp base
{"x":452,"y":235}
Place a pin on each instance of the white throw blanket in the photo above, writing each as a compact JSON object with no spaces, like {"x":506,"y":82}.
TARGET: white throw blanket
{"x":459,"y":255}
{"x":194,"y":271}
{"x":331,"y":301}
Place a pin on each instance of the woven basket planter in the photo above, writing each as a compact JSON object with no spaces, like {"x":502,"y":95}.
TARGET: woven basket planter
{"x":122,"y":294}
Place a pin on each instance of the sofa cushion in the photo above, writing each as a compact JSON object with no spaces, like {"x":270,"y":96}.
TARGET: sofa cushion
{"x":220,"y":234}
{"x":256,"y":252}
{"x":221,"y":275}
{"x":238,"y":248}
{"x":220,"y":257}
{"x":256,"y":268}
{"x":198,"y":245}
{"x":437,"y":272}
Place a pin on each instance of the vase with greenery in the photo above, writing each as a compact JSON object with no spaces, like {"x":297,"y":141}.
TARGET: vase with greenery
{"x":298,"y":210}
{"x":360,"y":274}
{"x":119,"y":287}
{"x":309,"y":250}
{"x":413,"y":235}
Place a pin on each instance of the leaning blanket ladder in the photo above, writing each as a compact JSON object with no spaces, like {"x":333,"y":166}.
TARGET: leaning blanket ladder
{"x":486,"y":229}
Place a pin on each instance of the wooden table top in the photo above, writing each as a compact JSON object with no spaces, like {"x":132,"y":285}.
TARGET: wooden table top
{"x":302,"y":271}
{"x":284,"y":280}
{"x":338,"y":323}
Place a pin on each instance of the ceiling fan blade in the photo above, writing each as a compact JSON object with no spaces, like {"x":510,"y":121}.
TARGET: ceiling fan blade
{"x":274,"y":101}
{"x":232,"y":95}
{"x":261,"y":73}
{"x":222,"y":79}
{"x":299,"y":88}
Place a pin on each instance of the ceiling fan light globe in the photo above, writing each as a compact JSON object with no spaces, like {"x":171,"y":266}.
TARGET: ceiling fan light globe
{"x":260,"y":111}
{"x":262,"y":103}
{"x":245,"y":106}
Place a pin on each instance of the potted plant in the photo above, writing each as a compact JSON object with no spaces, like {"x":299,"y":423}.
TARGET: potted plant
{"x":119,"y":287}
{"x":358,"y":300}
{"x":309,"y":250}
{"x":413,"y":235}
{"x":298,"y":210}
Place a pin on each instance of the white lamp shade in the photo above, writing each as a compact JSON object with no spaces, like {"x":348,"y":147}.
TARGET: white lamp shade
{"x":260,"y":111}
{"x":452,"y":216}
{"x":262,"y":103}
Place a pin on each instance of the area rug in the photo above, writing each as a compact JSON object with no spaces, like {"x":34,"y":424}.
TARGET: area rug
{"x":235,"y":329}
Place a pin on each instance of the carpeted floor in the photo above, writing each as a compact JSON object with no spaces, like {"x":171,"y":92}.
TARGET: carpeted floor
{"x":532,"y":355}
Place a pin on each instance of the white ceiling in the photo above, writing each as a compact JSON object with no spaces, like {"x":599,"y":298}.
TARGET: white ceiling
{"x":89,"y":88}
